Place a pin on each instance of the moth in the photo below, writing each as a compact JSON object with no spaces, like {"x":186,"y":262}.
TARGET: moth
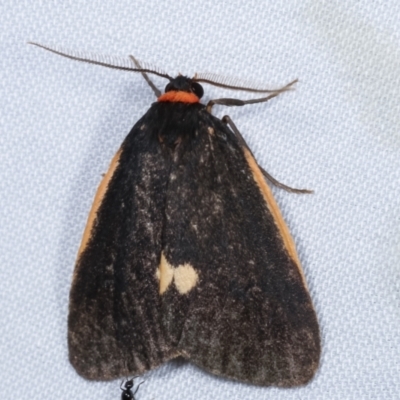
{"x":186,"y":253}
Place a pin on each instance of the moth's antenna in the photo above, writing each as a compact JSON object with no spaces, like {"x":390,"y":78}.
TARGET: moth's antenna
{"x":234,"y":83}
{"x":154,"y":88}
{"x":121,"y":63}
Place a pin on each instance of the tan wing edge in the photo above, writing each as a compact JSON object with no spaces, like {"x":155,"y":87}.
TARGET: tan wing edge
{"x":98,"y":199}
{"x":274,"y":209}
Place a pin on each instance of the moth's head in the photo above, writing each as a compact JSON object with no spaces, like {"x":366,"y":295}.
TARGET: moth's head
{"x":184,"y":84}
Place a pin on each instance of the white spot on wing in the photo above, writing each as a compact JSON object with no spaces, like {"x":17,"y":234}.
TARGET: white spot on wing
{"x":184,"y":276}
{"x":165,"y":274}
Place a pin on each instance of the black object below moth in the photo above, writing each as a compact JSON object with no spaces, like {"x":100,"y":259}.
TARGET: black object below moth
{"x":186,"y":253}
{"x":126,"y":388}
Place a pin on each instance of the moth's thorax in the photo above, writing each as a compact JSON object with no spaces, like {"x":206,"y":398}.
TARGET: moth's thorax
{"x":176,"y":122}
{"x":175,"y":96}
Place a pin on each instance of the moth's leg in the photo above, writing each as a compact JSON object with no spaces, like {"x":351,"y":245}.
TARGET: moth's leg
{"x":156,"y":91}
{"x":237,"y":102}
{"x":137,"y":388}
{"x":227,"y":120}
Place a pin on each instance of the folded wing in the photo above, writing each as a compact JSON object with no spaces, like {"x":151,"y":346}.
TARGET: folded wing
{"x":245,"y":312}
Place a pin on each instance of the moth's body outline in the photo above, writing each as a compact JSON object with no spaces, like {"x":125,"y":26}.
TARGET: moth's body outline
{"x":184,"y":215}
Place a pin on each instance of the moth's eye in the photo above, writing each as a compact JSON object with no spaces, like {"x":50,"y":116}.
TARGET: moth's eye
{"x":197,"y":89}
{"x":168,"y":88}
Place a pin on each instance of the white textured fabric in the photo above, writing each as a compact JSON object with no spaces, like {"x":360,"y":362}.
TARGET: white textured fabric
{"x":338,"y":133}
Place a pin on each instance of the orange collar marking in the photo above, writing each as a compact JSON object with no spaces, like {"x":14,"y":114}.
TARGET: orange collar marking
{"x":179,"y":96}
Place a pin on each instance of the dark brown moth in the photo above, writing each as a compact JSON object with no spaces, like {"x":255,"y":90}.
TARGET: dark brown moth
{"x":185,"y":252}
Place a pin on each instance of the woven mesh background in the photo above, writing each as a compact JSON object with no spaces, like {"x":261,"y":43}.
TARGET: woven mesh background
{"x":338,"y":133}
